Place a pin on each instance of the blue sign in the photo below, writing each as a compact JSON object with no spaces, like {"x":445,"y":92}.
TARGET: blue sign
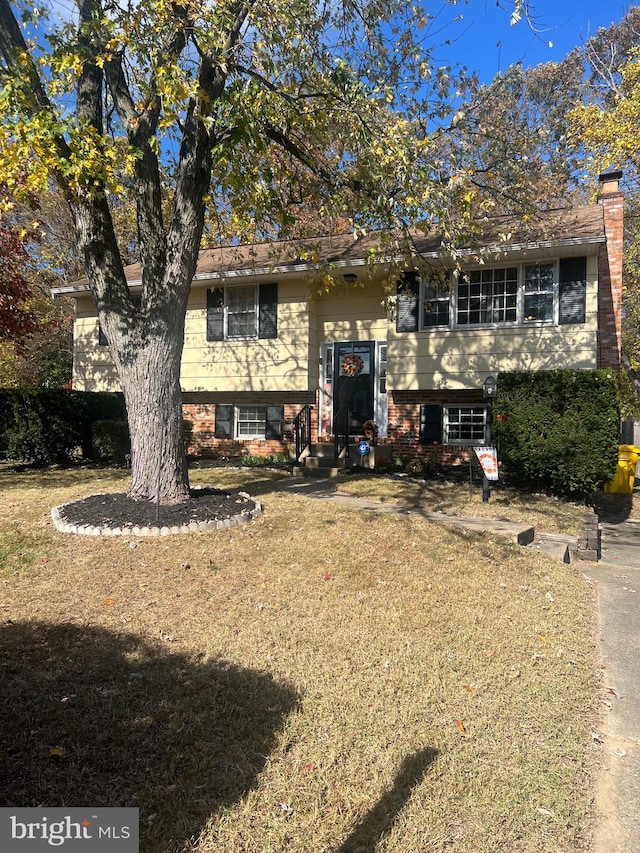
{"x":363,"y":448}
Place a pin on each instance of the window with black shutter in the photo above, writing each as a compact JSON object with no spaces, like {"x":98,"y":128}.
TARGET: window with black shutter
{"x":244,"y":311}
{"x":572,"y":290}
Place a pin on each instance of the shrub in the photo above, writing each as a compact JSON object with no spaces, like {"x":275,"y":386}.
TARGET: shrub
{"x":110,"y":441}
{"x":427,"y":465}
{"x":558,"y":430}
{"x":44,"y":425}
{"x":40,"y":427}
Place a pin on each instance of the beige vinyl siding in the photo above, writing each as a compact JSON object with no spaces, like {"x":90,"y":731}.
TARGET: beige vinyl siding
{"x":443,"y":358}
{"x":93,"y":368}
{"x":351,"y":313}
{"x":278,"y":364}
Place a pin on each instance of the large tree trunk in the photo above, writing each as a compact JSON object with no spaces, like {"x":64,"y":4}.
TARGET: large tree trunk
{"x":151,"y":386}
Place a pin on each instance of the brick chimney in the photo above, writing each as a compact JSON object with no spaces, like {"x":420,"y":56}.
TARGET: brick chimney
{"x":610,"y":271}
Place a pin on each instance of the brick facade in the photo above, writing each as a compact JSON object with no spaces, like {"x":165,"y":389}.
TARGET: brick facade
{"x":404,"y":423}
{"x":610,"y":266}
{"x":200,"y":409}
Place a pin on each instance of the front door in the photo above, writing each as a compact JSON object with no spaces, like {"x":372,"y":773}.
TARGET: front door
{"x":353,"y":380}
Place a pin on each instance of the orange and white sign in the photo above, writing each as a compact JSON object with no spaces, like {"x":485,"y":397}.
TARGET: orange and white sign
{"x":488,"y":458}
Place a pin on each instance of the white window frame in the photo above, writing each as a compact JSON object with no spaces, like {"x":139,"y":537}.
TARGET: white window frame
{"x":554,"y":290}
{"x":478,"y":416}
{"x":238,"y":421}
{"x":426,"y":295}
{"x":235,"y":289}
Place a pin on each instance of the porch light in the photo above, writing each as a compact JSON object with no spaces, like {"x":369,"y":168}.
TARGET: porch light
{"x":489,"y":388}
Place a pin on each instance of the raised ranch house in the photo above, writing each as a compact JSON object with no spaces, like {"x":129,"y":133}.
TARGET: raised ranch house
{"x":265,"y":344}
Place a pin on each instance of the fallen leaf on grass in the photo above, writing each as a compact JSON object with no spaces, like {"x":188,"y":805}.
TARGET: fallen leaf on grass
{"x":469,"y":688}
{"x":461,"y":727}
{"x":57,"y":752}
{"x":546,"y":812}
{"x":108,"y":601}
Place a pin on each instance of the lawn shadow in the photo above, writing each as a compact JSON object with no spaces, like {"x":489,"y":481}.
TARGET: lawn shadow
{"x":95,"y":718}
{"x":379,"y":821}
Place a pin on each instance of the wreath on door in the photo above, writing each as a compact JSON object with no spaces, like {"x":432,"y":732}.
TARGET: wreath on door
{"x":351,"y":365}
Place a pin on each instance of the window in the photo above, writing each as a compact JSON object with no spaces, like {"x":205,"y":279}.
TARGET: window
{"x":251,"y":421}
{"x":435,"y":306}
{"x":254,"y":421}
{"x":382,"y":362}
{"x":242,"y":311}
{"x":464,"y":424}
{"x":488,"y":296}
{"x":521,"y":294}
{"x":538,"y":293}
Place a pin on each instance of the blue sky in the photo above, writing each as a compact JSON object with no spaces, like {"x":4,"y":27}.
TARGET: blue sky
{"x":485,"y":41}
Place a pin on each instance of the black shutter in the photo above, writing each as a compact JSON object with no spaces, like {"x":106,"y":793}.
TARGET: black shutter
{"x":215,"y":314}
{"x":224,"y":421}
{"x":430,"y":424}
{"x":407,"y":303}
{"x":573,"y":290}
{"x":275,"y":416}
{"x":268,"y":311}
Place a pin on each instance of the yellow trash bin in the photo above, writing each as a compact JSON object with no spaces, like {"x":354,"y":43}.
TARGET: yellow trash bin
{"x":624,"y":480}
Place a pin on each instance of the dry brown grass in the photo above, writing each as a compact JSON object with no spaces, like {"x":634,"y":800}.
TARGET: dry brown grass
{"x":319,"y":681}
{"x":456,"y":497}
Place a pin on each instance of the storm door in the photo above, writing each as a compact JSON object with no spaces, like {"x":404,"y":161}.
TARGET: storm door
{"x":353,"y":380}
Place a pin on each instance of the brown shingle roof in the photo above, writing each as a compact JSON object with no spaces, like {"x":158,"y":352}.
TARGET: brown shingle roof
{"x":571,"y":225}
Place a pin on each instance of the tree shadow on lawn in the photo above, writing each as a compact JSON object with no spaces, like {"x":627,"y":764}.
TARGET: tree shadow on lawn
{"x":91,"y":718}
{"x":379,"y":821}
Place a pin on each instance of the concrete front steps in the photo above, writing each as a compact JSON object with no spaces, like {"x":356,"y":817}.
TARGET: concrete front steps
{"x":322,"y":461}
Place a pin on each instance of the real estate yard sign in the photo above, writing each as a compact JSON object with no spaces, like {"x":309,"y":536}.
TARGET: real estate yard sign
{"x":488,"y":458}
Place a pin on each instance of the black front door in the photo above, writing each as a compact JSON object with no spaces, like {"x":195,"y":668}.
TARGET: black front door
{"x":353,"y":375}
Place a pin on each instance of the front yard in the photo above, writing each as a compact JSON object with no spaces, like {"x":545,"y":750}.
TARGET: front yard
{"x":318,"y":681}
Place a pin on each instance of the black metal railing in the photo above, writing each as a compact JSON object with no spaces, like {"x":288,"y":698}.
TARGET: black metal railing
{"x":302,"y":431}
{"x":341,"y":423}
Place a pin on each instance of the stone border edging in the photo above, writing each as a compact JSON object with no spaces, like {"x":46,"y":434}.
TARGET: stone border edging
{"x":63,"y":526}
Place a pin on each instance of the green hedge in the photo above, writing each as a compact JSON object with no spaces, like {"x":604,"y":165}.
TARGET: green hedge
{"x":111,"y":441}
{"x":47,"y":426}
{"x":558,"y":430}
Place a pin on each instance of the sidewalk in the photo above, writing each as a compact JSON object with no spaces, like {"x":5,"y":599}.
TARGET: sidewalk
{"x":616,"y":583}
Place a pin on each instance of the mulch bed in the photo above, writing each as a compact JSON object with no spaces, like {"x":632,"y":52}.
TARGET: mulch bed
{"x":118,"y":510}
